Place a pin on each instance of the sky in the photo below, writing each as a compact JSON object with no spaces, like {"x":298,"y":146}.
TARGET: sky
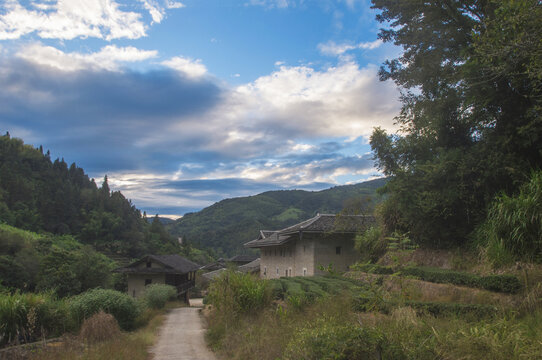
{"x":184,"y":103}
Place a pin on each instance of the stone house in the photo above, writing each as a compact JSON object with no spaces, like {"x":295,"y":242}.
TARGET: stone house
{"x":160,"y":269}
{"x":301,"y":249}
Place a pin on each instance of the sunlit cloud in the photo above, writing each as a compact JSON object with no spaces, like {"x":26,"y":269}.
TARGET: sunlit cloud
{"x":109,"y":57}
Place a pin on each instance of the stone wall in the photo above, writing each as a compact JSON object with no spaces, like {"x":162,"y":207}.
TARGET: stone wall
{"x":303,"y":256}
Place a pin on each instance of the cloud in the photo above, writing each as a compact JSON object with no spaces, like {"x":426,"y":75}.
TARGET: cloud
{"x":70,"y":19}
{"x":334,"y":49}
{"x":280,"y":4}
{"x":66,"y":20}
{"x":298,"y":127}
{"x":109,"y":57}
{"x":189,"y":67}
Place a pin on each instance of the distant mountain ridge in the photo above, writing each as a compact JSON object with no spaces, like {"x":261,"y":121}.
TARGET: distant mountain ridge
{"x":228,"y":224}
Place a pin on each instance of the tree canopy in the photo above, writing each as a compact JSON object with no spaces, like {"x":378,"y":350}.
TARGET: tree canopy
{"x":470,"y":125}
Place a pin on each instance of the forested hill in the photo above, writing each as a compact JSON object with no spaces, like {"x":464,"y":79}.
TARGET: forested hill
{"x":41,"y":195}
{"x":228,"y":224}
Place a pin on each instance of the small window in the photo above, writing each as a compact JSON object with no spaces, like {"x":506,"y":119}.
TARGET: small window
{"x":149,"y":264}
{"x":304,"y":271}
{"x":290,"y":272}
{"x":148,"y":282}
{"x":286,"y":272}
{"x":277,"y":270}
{"x":338,"y":250}
{"x":265,"y":270}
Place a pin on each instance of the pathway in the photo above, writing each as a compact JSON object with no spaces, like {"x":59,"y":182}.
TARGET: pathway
{"x":181,"y":335}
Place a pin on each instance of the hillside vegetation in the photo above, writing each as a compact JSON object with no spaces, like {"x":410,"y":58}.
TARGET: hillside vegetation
{"x":228,"y":224}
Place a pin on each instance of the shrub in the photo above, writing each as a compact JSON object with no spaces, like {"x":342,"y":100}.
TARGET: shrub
{"x":26,"y":317}
{"x":513,"y":227}
{"x":234,"y":293}
{"x":156,"y":295}
{"x":123,"y":307}
{"x":371,"y":244}
{"x":327,"y":338}
{"x":98,"y":328}
{"x":497,"y":283}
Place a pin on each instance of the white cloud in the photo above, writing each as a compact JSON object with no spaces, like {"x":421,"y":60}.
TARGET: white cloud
{"x":189,"y":67}
{"x":280,"y":4}
{"x":345,"y":100}
{"x":107,"y":58}
{"x":156,"y":12}
{"x":174,"y":4}
{"x":69,"y":19}
{"x":334,"y":49}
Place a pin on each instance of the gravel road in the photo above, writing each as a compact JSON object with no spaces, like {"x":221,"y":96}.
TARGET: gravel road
{"x":181,"y":336}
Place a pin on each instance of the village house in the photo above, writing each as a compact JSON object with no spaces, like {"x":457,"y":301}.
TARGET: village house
{"x":301,"y":249}
{"x":160,"y":269}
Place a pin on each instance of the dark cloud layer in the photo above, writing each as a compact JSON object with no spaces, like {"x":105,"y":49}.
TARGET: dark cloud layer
{"x":189,"y":142}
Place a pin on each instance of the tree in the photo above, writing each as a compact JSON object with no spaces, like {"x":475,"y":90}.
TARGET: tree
{"x":470,"y":123}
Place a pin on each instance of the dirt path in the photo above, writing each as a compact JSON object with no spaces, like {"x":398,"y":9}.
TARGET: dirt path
{"x":181,"y":336}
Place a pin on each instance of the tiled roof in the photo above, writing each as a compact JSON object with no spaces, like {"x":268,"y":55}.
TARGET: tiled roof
{"x":251,"y":267}
{"x":174,"y":264}
{"x":321,"y":223}
{"x":243,"y":258}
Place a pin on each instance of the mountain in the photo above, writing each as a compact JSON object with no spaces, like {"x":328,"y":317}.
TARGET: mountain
{"x":45,"y":196}
{"x":228,"y":224}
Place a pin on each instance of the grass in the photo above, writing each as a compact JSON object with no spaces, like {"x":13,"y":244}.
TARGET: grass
{"x":127,"y":346}
{"x":328,"y":329}
{"x":321,"y":318}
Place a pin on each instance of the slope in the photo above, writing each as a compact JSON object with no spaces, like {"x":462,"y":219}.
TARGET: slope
{"x":226,"y":225}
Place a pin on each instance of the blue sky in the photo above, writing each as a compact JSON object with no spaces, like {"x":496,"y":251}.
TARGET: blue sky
{"x":184,"y":103}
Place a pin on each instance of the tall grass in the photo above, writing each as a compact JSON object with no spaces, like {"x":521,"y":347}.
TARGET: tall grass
{"x":513,"y":228}
{"x":28,"y":316}
{"x":236,"y":293}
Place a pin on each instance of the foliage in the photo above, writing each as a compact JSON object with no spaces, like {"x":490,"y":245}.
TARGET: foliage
{"x":371,"y":244}
{"x":50,"y":263}
{"x":234,"y":293}
{"x":156,"y":295}
{"x":470,"y":124}
{"x":228,"y":224}
{"x":499,"y":283}
{"x":513,"y":228}
{"x":330,"y":339}
{"x":38,"y":194}
{"x":27,"y":317}
{"x":122,"y":306}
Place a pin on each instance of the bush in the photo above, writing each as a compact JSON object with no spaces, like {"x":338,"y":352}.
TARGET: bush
{"x":513,"y":227}
{"x":156,"y":295}
{"x":327,"y":338}
{"x":27,"y":317}
{"x":234,"y":293}
{"x":98,"y":328}
{"x":123,"y":307}
{"x":371,"y":244}
{"x":497,"y":283}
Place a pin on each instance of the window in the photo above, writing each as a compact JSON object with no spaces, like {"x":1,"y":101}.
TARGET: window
{"x":265,"y":270}
{"x":290,"y":272}
{"x":338,"y":250}
{"x":286,"y":272}
{"x":304,"y":271}
{"x":277,"y":270}
{"x":148,"y":282}
{"x":149,"y":264}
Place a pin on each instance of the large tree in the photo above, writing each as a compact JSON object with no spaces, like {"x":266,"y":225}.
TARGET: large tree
{"x":470,"y":125}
